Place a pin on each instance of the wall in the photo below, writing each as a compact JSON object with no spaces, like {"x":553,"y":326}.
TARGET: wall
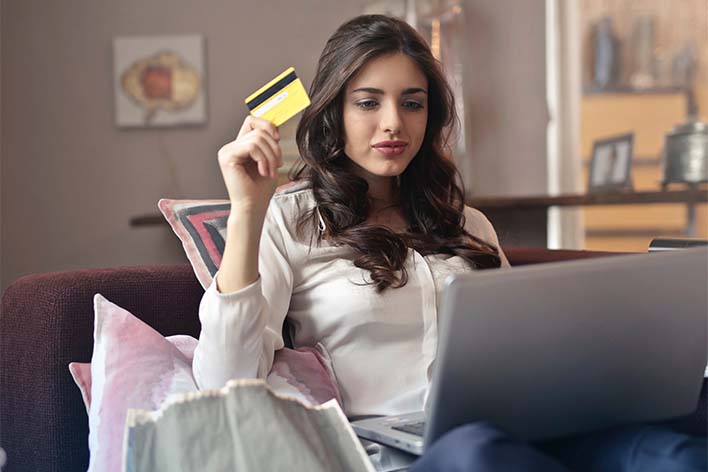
{"x":505,"y":88}
{"x":71,"y":180}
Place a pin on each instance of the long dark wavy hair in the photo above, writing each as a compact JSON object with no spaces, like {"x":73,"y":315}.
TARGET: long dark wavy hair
{"x":431,"y":196}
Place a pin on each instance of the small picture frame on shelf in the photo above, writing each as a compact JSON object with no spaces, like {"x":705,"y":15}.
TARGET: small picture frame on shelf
{"x":611,"y":164}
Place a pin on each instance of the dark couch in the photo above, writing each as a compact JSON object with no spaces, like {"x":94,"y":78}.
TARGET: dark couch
{"x":47,"y":321}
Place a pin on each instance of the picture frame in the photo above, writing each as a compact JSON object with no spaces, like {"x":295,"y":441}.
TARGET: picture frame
{"x":611,"y":164}
{"x":159,"y":81}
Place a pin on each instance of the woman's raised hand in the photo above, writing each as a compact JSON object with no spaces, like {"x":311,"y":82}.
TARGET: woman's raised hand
{"x":249,"y":165}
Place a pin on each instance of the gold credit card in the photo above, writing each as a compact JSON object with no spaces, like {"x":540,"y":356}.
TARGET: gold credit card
{"x":280,"y":99}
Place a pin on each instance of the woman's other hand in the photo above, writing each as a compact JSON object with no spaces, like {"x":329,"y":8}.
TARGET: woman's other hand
{"x":249,"y":165}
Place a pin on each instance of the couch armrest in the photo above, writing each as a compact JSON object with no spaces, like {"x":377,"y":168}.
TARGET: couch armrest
{"x":532,"y":255}
{"x":46,"y":321}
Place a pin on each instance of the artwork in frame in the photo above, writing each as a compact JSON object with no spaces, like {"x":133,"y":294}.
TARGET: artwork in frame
{"x":159,"y":81}
{"x":611,"y":164}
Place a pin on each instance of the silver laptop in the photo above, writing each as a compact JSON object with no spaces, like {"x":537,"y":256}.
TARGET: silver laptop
{"x":555,"y":349}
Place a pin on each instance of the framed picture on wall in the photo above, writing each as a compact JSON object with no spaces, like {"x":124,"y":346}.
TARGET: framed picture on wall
{"x":159,"y":81}
{"x":611,"y":164}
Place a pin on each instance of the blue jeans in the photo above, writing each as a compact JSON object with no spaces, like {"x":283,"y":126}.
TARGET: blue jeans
{"x":480,"y":447}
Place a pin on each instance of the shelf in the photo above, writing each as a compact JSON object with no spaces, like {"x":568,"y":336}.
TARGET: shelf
{"x":619,"y":198}
{"x":627,"y":90}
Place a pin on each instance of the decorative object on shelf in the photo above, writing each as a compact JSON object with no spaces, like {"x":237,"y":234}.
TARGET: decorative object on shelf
{"x":605,"y":70}
{"x":684,"y":65}
{"x":685,"y":155}
{"x":159,"y":81}
{"x":663,"y":43}
{"x":611,"y":165}
{"x":643,"y":43}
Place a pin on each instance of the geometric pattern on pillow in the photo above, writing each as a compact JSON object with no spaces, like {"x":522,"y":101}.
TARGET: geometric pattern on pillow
{"x":201,"y":227}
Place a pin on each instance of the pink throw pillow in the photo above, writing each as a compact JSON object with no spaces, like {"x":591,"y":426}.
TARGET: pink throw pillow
{"x":134,"y":366}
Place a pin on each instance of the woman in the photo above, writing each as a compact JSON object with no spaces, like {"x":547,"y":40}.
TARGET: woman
{"x":356,"y":253}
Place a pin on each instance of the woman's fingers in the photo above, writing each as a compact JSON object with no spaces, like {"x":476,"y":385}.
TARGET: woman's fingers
{"x":257,"y":146}
{"x":273,"y":144}
{"x":253,"y":122}
{"x":266,"y":134}
{"x":261,"y":160}
{"x":262,"y":151}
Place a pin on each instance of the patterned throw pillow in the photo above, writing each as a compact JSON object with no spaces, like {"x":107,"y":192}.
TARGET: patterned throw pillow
{"x":134,"y":366}
{"x":201,"y":226}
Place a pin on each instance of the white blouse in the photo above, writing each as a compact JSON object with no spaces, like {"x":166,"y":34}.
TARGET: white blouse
{"x":382,"y":346}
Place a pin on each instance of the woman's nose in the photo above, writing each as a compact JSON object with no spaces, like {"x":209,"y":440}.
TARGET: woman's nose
{"x":391,"y":119}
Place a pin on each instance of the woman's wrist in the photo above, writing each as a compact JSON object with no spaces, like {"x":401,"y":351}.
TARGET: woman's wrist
{"x":239,"y":264}
{"x":245,"y":213}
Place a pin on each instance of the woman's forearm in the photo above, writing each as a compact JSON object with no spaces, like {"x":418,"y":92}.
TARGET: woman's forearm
{"x":239,"y":264}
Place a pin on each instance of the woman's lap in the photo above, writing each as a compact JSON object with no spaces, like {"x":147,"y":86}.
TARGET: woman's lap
{"x":632,"y":448}
{"x":479,"y":447}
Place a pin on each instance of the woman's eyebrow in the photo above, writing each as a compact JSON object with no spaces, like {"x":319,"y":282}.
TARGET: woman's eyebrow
{"x":408,"y":91}
{"x":369,"y":90}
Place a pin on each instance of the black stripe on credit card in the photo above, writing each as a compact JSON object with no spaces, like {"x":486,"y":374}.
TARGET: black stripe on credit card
{"x":275,"y":88}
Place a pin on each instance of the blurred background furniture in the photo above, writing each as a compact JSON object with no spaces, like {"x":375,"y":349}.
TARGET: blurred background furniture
{"x":650,"y":115}
{"x":631,"y":218}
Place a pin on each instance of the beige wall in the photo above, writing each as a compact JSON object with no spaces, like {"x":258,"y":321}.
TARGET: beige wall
{"x":505,"y":87}
{"x":71,"y":180}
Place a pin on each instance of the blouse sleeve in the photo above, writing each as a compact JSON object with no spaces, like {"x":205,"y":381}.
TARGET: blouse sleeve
{"x":242,"y":330}
{"x":478,"y":225}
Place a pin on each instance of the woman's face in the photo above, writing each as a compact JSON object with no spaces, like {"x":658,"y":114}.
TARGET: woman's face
{"x":385,"y":113}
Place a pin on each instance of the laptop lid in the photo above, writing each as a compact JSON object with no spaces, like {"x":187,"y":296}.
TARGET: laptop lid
{"x":550,"y":350}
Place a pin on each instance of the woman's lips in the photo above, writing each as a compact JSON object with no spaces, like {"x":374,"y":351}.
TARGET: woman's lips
{"x":391,"y":148}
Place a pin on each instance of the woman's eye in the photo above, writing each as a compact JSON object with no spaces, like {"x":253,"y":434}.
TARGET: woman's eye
{"x":367,"y":104}
{"x":413,"y":106}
